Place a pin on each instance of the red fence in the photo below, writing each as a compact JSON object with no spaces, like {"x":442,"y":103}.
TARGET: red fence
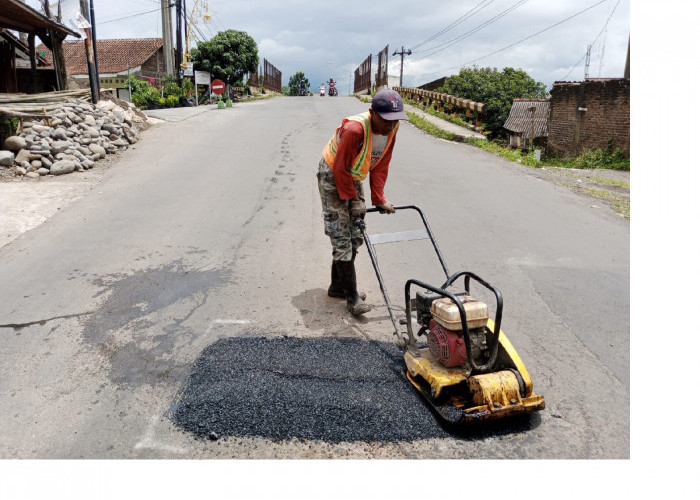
{"x":273,"y":77}
{"x":253,"y":79}
{"x":382,"y":68}
{"x":363,"y":76}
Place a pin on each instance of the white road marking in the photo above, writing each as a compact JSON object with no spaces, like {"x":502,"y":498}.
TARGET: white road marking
{"x":225,"y":321}
{"x":148,"y":443}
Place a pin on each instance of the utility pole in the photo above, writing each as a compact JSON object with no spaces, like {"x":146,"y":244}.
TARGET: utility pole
{"x":167,"y":36}
{"x":94,"y":46}
{"x":90,"y":54}
{"x":407,"y":53}
{"x":178,"y":39}
{"x":627,"y":62}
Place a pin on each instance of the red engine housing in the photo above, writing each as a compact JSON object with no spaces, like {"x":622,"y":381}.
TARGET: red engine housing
{"x":447,"y":346}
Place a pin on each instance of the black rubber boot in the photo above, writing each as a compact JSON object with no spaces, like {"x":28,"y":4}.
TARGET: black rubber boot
{"x":346,"y":272}
{"x":336,"y":288}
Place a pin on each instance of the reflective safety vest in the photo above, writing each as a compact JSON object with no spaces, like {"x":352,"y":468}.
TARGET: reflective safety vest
{"x":361,"y":164}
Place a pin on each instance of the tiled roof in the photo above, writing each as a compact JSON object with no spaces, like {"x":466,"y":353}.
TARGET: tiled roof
{"x":520,"y":117}
{"x":113,"y":55}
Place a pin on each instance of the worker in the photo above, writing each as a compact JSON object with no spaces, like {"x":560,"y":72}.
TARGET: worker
{"x":363,"y":144}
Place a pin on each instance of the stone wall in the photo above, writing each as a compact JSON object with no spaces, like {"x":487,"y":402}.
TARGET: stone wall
{"x":605,"y":115}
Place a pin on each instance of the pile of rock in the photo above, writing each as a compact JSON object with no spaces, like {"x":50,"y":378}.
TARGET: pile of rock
{"x":72,"y":138}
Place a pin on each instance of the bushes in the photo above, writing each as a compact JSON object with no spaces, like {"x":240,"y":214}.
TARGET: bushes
{"x":144,"y":95}
{"x":602,"y":158}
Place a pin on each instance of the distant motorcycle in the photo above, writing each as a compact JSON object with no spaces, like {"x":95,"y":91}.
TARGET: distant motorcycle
{"x":322,"y":89}
{"x":332,"y":91}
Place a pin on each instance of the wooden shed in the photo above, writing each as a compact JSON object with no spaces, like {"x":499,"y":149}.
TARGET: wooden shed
{"x":16,"y":16}
{"x":528,"y":123}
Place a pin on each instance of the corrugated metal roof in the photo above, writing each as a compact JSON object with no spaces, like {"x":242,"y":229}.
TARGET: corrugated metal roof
{"x":17,"y":16}
{"x":520,"y":119}
{"x":113,"y":56}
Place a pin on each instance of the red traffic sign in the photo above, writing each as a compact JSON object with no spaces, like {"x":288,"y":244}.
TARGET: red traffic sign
{"x":217,"y":86}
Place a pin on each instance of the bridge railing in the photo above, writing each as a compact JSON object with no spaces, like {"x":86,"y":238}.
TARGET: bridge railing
{"x":444,"y":103}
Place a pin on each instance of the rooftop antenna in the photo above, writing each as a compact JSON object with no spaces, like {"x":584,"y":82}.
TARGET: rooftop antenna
{"x":588,"y":63}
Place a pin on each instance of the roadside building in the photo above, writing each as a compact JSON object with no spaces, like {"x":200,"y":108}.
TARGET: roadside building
{"x":20,"y":70}
{"x":594,"y":113}
{"x":117,"y":59}
{"x":528,"y":122}
{"x":435,"y":84}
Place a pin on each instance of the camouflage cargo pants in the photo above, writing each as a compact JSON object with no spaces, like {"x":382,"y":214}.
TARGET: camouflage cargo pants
{"x":339,"y":225}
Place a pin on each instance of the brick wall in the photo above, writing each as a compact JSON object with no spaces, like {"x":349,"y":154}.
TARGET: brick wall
{"x":607,"y":116}
{"x":154,"y":65}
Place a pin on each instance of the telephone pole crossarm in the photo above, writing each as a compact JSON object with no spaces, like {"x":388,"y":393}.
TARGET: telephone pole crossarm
{"x":402,"y":53}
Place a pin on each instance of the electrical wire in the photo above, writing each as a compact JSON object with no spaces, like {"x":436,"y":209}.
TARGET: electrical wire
{"x":129,"y":16}
{"x":519,"y":41}
{"x":449,"y":43}
{"x":458,"y":21}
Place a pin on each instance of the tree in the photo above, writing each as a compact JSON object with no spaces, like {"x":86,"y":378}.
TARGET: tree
{"x":294,"y":82}
{"x":227,"y":56}
{"x":496,"y":89}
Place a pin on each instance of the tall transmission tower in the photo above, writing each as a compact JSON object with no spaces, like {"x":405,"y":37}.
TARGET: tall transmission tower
{"x":588,"y":63}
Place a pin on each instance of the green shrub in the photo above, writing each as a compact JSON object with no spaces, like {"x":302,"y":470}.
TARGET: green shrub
{"x":170,"y":87}
{"x":139,"y":101}
{"x":173,"y":101}
{"x":600,"y":158}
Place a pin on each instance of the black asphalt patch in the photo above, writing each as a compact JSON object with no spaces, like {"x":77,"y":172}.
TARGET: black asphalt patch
{"x":329,"y":389}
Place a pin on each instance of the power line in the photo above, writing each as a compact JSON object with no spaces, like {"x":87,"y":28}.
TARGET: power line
{"x":521,"y":40}
{"x":449,"y":43}
{"x":459,"y":20}
{"x":129,"y":16}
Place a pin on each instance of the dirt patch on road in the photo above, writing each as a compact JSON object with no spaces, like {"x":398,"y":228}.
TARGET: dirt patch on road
{"x":26,"y":203}
{"x":604,"y":187}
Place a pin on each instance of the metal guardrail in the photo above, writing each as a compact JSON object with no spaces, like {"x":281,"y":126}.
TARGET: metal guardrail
{"x":444,"y":103}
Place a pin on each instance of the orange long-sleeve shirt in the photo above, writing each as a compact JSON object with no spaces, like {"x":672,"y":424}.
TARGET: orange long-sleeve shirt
{"x":351,"y":138}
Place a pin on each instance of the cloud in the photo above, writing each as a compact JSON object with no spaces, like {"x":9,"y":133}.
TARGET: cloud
{"x":296,"y":35}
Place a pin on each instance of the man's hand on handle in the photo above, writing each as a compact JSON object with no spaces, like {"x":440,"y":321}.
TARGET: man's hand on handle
{"x":386,"y":208}
{"x":357,"y":209}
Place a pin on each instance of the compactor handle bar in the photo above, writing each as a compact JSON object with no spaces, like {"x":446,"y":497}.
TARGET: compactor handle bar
{"x":442,"y":291}
{"x":427,"y":230}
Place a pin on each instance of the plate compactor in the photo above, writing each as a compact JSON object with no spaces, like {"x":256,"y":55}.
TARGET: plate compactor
{"x":469,"y":371}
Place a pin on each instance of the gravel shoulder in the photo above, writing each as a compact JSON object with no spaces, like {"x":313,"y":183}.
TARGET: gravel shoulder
{"x":604,"y":187}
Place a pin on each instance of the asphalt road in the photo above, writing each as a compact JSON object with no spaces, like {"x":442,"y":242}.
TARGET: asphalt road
{"x":201,"y":253}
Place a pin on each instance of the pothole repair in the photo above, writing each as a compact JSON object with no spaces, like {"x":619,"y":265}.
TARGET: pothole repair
{"x":328,"y":389}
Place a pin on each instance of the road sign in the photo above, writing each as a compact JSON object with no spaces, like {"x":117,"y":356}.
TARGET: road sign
{"x":202,"y":77}
{"x":217,"y":87}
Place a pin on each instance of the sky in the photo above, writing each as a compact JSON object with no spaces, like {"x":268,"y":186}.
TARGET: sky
{"x":547,"y":39}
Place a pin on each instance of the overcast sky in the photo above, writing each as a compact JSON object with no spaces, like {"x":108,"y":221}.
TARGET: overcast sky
{"x":547,"y":39}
